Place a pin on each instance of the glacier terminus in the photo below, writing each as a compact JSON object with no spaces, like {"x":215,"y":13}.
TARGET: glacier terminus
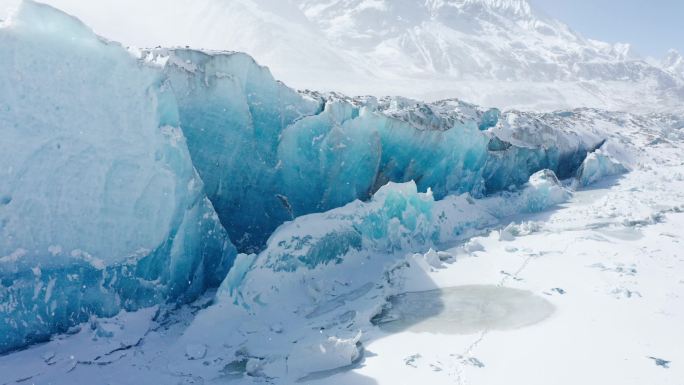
{"x":175,"y":214}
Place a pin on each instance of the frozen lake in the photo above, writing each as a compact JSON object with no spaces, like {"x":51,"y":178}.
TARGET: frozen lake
{"x":463,"y":310}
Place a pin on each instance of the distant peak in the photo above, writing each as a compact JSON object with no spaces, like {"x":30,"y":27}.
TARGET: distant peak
{"x":673,"y":55}
{"x":623,"y":51}
{"x":516,"y":7}
{"x":506,"y":8}
{"x":673,"y":62}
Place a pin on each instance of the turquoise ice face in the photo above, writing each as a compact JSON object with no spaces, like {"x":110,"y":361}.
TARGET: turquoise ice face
{"x":268,"y":154}
{"x":102,"y":209}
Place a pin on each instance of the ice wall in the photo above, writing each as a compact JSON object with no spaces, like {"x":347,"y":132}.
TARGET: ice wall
{"x":268,"y":154}
{"x":233,"y":112}
{"x":100,"y":206}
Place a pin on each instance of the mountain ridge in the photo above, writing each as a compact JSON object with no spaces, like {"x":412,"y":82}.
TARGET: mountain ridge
{"x":499,"y":53}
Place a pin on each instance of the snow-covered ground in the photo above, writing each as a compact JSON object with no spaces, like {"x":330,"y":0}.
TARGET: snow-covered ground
{"x":618,"y":295}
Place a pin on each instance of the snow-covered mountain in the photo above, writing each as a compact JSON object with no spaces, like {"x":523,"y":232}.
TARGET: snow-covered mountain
{"x":468,"y":40}
{"x":674,"y":62}
{"x":501,"y":53}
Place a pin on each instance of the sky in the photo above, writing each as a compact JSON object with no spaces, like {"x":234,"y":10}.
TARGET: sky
{"x":651,"y":26}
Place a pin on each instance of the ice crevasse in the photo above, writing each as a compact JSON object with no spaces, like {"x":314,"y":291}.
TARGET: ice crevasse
{"x":126,"y":176}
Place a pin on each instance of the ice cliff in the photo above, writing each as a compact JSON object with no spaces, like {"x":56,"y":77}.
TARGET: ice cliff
{"x":125,"y":174}
{"x":268,"y":154}
{"x":100,"y":206}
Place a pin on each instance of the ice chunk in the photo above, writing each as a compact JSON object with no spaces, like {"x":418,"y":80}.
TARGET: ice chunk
{"x":490,"y":119}
{"x":523,"y":143}
{"x":241,"y":266}
{"x":397,"y":218}
{"x":102,"y":207}
{"x":330,"y":353}
{"x":598,"y":165}
{"x":195,"y":351}
{"x":429,"y":261}
{"x":544,"y":190}
{"x":473,"y":246}
{"x":507,"y":234}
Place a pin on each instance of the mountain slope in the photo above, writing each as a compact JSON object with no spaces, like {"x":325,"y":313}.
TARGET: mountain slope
{"x":499,"y":53}
{"x":467,"y":39}
{"x":457,"y":45}
{"x":674,"y":62}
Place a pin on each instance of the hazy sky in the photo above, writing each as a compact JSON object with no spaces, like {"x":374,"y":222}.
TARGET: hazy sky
{"x":651,"y":26}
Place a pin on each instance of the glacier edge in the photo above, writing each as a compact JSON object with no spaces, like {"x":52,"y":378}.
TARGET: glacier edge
{"x":131,"y":177}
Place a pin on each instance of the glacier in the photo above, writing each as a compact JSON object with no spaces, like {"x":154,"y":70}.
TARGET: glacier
{"x":131,"y":177}
{"x":268,"y":154}
{"x":101,"y":208}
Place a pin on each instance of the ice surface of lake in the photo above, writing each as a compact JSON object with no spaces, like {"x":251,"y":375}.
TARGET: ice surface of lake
{"x":463,"y":310}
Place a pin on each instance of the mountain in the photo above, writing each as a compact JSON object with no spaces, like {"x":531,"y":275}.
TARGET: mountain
{"x":465,"y":40}
{"x":674,"y":62}
{"x":499,"y":53}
